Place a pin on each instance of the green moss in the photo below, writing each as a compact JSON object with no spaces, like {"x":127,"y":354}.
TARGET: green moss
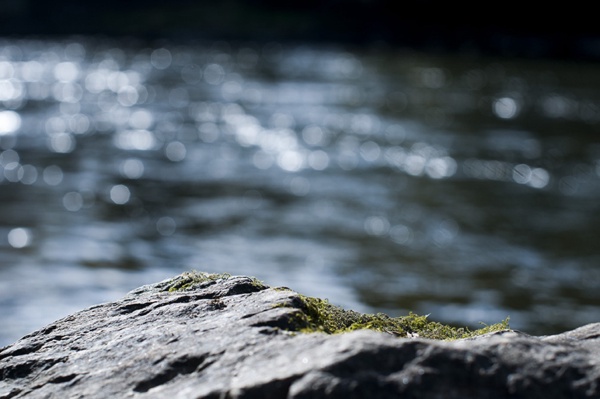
{"x":320,"y":316}
{"x":189,"y":280}
{"x":192,"y":279}
{"x":258,"y":284}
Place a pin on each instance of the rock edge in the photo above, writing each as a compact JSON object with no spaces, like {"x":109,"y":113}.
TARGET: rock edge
{"x":229,"y":337}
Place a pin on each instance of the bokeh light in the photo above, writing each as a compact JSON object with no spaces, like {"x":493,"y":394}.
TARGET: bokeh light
{"x":53,"y":175}
{"x":10,"y":122}
{"x":506,"y":107}
{"x":132,"y":168}
{"x":73,"y":201}
{"x":175,"y":151}
{"x":19,"y":237}
{"x":161,"y":58}
{"x":139,"y":139}
{"x":120,"y":194}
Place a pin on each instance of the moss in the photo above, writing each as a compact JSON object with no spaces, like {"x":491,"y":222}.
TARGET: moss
{"x":318,"y":315}
{"x":189,"y":280}
{"x":192,"y":279}
{"x":258,"y":284}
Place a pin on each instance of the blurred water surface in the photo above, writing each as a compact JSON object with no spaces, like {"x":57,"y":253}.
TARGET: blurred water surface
{"x":380,"y":179}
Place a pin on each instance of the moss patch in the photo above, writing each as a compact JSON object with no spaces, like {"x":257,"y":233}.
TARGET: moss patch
{"x":190,"y":280}
{"x":193,"y":279}
{"x":258,"y":284}
{"x":318,"y":315}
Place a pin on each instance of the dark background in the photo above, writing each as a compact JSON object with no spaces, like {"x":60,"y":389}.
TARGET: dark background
{"x":507,"y":28}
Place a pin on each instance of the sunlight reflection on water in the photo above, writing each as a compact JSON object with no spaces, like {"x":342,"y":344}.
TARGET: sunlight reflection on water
{"x":381,"y":180}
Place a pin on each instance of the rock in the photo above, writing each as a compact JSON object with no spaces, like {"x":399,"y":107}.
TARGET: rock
{"x":209,"y":336}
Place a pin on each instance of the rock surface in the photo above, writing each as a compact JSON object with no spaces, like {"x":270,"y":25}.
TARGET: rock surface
{"x":231,"y":338}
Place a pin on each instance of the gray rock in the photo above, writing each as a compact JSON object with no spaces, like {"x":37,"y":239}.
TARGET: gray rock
{"x":234,"y":338}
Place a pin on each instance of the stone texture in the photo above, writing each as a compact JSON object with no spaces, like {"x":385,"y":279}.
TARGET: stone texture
{"x":228,"y":338}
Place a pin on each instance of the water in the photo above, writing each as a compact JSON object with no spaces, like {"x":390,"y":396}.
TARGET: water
{"x":380,"y":179}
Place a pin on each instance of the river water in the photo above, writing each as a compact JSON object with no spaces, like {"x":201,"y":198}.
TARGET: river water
{"x":384,"y":180}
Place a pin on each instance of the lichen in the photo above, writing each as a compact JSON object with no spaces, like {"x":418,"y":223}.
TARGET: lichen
{"x":318,"y":315}
{"x":189,"y":280}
